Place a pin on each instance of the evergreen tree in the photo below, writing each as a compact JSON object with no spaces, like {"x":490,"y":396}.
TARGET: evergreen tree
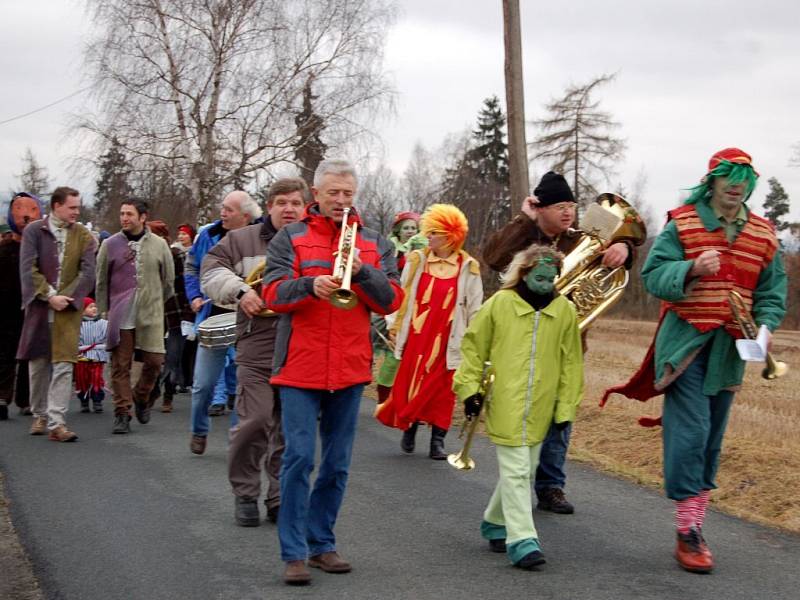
{"x":34,"y":178}
{"x":112,"y":185}
{"x":491,"y":150}
{"x":776,"y":204}
{"x":576,"y":139}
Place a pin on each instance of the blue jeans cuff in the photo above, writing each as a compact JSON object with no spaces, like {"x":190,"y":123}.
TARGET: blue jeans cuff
{"x":519,"y":550}
{"x":490,"y":531}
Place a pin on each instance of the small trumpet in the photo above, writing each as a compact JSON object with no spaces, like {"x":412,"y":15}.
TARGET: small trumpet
{"x":774,"y":368}
{"x":254,"y":279}
{"x":343,"y":296}
{"x":462,"y":460}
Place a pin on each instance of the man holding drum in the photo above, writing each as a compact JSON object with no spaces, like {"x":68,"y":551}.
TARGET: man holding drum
{"x":323,"y":358}
{"x":135,"y":275}
{"x":228,"y":275}
{"x":238,"y":210}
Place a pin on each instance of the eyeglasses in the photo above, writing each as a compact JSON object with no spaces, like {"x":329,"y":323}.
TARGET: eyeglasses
{"x":563,"y":207}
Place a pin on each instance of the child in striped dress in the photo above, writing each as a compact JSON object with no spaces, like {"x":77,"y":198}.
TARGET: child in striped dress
{"x":92,"y":358}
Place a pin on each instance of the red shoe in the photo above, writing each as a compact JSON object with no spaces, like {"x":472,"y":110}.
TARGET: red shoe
{"x":692,"y":553}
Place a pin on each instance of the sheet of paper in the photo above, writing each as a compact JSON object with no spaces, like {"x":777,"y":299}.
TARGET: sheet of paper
{"x":754,"y":350}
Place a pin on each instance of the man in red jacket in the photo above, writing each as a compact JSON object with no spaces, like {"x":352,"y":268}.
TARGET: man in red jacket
{"x":323,"y":359}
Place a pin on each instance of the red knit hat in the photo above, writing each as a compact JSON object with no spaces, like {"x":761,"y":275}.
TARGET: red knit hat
{"x":733,"y":155}
{"x":403,"y":216}
{"x":87,"y":301}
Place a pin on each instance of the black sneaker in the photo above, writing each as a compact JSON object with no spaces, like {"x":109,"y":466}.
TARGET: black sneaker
{"x":97,"y":407}
{"x":497,"y":545}
{"x":272,"y":513}
{"x":3,"y":411}
{"x":247,"y":511}
{"x":553,"y":500}
{"x":531,"y":560}
{"x":85,"y":407}
{"x":122,"y":424}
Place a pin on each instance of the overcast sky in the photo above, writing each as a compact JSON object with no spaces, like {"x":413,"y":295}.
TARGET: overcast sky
{"x":692,"y":77}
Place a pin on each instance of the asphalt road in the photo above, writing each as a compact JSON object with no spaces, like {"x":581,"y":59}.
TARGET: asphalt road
{"x":139,"y":517}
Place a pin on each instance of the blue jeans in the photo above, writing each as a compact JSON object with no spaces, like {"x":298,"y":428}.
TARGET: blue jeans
{"x":306,"y":521}
{"x":208,"y":368}
{"x":226,"y":384}
{"x":550,"y":473}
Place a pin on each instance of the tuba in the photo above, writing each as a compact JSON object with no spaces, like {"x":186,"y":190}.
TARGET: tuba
{"x":774,"y":368}
{"x":462,"y":460}
{"x":590,"y":286}
{"x":343,"y":296}
{"x":254,"y":281}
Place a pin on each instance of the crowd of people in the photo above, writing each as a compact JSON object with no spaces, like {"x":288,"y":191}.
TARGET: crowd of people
{"x":241,"y":311}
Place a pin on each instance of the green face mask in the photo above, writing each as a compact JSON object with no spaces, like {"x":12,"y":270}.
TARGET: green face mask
{"x":540,"y":279}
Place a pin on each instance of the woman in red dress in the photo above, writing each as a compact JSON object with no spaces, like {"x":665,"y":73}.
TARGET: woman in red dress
{"x":443,"y":290}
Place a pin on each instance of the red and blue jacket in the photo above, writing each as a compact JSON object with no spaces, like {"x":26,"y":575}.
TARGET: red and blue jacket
{"x":319,"y":346}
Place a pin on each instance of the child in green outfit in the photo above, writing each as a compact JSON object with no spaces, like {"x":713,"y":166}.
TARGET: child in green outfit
{"x":530,"y":335}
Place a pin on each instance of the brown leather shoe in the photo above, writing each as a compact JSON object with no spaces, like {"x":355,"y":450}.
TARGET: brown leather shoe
{"x":39,"y":426}
{"x":296,"y":573}
{"x":166,"y":408}
{"x":692,"y":553}
{"x":330,"y":562}
{"x":62,"y":434}
{"x":198,"y":444}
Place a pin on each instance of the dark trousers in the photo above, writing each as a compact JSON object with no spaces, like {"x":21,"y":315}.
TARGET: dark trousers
{"x":257,"y":438}
{"x":121,"y":362}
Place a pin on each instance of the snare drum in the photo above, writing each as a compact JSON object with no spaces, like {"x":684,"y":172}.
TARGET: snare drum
{"x":218,"y":331}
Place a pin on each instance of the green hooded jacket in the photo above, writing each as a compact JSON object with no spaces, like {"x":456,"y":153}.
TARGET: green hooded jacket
{"x":538,"y":362}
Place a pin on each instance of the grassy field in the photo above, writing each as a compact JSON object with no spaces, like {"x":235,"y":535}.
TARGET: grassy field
{"x":759,"y":475}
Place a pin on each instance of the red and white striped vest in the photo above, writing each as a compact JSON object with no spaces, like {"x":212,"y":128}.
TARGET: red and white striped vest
{"x":707,"y":307}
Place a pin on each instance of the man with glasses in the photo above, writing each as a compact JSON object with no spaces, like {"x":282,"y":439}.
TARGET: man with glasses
{"x":135,"y":275}
{"x":546,"y":220}
{"x":238,"y":209}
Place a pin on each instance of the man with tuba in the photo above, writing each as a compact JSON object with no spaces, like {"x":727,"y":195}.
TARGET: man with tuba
{"x":323,"y":358}
{"x":711,"y":246}
{"x":546,"y":220}
{"x":231,"y":274}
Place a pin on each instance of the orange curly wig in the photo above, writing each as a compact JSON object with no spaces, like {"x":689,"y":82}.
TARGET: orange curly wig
{"x":448,"y":220}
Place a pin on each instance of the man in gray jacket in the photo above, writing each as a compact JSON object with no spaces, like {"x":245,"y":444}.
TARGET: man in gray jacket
{"x":224,"y":270}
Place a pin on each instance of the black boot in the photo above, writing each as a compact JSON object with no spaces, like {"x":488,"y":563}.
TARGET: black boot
{"x":437,"y":444}
{"x":247,"y":511}
{"x":407,"y":443}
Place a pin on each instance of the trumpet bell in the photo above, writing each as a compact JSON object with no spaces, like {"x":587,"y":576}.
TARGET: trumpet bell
{"x":343,"y":298}
{"x":779,"y":369}
{"x":459,"y":463}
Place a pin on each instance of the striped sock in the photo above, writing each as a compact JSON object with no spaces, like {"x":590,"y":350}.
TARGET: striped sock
{"x":702,"y":504}
{"x":685,"y":514}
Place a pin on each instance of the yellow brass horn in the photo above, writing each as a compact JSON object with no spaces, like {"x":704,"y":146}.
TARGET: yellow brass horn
{"x":774,"y":368}
{"x":254,"y":279}
{"x":462,"y":460}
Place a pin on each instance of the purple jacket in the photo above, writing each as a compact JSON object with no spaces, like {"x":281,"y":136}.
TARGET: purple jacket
{"x":38,"y":270}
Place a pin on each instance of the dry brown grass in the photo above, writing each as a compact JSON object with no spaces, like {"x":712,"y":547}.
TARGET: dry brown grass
{"x":759,"y":476}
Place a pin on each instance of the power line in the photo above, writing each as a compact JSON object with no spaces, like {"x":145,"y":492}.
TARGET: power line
{"x":40,"y":109}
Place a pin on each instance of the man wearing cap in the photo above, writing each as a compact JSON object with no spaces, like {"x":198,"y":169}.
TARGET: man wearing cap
{"x":711,"y":246}
{"x":24,"y":208}
{"x":546,"y":220}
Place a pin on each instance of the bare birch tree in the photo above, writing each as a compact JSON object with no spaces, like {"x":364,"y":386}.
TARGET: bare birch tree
{"x":378,"y":196}
{"x":215,"y":90}
{"x":576,"y":139}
